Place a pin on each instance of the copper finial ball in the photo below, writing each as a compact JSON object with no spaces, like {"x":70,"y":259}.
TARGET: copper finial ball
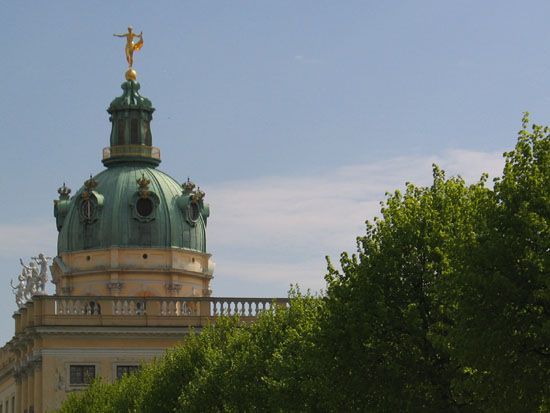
{"x":131,"y":74}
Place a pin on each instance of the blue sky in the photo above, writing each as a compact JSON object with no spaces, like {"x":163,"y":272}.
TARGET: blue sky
{"x":294,"y":116}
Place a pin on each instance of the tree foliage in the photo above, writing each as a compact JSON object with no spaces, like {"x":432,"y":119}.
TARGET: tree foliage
{"x":444,"y":308}
{"x":394,"y":303}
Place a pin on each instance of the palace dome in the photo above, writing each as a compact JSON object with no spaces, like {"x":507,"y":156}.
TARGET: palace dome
{"x":131,"y":203}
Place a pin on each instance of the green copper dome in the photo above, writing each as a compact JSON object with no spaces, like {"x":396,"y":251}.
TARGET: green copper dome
{"x":131,"y":203}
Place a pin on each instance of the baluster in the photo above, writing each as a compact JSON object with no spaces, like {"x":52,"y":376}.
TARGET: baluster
{"x":251,"y":308}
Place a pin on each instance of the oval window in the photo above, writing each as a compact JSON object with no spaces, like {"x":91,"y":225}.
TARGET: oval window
{"x":194,"y":212}
{"x":144,"y":207}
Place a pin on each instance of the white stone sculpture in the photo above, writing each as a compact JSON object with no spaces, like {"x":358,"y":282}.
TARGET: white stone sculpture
{"x":19,"y":292}
{"x":32,"y":279}
{"x":42,"y":277}
{"x":30,"y":274}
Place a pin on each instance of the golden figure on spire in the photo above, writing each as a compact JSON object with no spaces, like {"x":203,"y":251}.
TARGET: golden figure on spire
{"x":129,"y":50}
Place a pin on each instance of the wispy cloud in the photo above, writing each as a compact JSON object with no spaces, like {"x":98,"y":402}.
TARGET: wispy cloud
{"x":279,"y":228}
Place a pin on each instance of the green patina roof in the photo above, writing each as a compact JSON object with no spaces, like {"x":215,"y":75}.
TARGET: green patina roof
{"x":131,"y":204}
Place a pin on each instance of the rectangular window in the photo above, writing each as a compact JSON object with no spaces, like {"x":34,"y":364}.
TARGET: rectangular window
{"x":80,"y":374}
{"x":122,"y":370}
{"x":148,"y":137}
{"x":121,"y":126}
{"x":134,"y":132}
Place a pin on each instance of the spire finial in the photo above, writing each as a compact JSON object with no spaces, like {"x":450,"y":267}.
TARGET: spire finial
{"x":129,"y":50}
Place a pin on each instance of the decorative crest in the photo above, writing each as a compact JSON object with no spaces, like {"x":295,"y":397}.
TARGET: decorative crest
{"x":129,"y":50}
{"x":64,"y":192}
{"x":188,"y":186}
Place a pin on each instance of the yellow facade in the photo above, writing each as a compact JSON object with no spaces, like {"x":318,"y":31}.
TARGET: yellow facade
{"x":142,"y":272}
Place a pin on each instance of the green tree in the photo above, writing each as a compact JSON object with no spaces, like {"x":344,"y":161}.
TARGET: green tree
{"x":390,"y":309}
{"x":446,"y":305}
{"x":503,"y":330}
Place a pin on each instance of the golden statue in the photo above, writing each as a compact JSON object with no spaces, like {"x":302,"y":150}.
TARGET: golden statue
{"x":129,"y":50}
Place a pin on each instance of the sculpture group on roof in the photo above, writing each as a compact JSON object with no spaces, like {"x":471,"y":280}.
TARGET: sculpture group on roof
{"x":32,"y":280}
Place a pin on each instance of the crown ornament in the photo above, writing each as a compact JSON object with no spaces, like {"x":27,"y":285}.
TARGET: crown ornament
{"x":198,"y":195}
{"x":64,"y":191}
{"x":188,"y":186}
{"x":90,"y":184}
{"x":143,"y":184}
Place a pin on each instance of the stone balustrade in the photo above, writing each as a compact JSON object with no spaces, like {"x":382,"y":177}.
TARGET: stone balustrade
{"x":136,"y":311}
